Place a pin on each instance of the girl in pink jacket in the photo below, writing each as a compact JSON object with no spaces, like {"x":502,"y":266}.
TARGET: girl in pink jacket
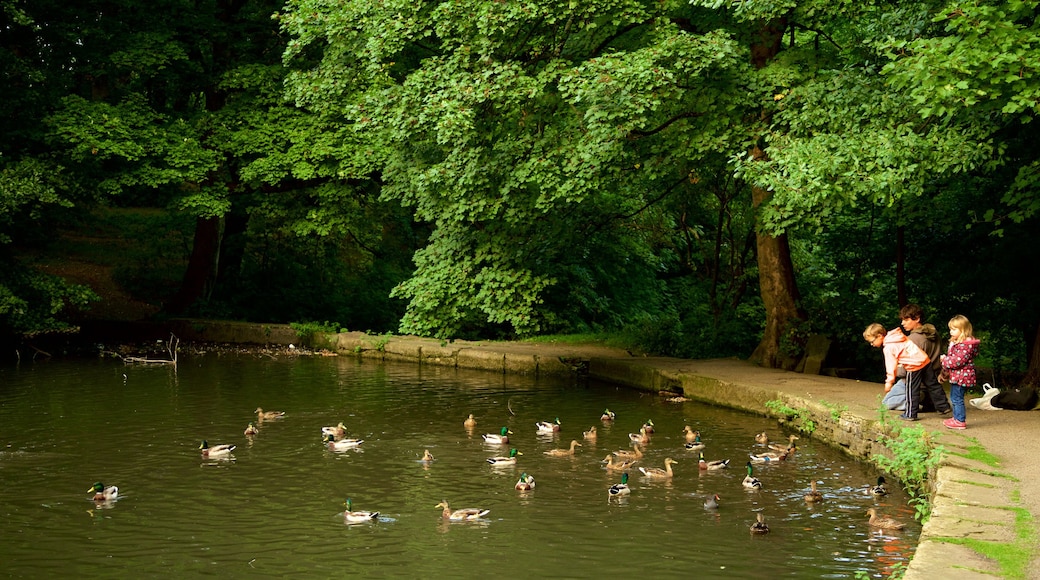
{"x":959,"y":361}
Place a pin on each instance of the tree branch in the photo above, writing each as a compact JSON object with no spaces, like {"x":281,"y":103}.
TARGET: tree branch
{"x":638,"y":133}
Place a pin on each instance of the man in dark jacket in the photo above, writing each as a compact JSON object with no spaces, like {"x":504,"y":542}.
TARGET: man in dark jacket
{"x":927,"y":339}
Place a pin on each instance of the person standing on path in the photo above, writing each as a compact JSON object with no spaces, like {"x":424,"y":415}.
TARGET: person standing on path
{"x":959,"y":361}
{"x":926,"y":337}
{"x":900,"y":351}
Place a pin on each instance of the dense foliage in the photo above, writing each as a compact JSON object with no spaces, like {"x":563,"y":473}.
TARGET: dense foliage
{"x":702,"y":177}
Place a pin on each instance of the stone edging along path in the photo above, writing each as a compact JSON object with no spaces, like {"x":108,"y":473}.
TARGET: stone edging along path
{"x":982,"y":493}
{"x":974,"y":503}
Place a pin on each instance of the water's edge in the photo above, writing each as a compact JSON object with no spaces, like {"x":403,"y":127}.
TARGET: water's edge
{"x":850,"y":423}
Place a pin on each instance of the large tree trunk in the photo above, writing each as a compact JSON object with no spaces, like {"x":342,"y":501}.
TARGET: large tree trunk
{"x":779,"y":294}
{"x":202,"y":266}
{"x":775,"y":269}
{"x":1033,"y":369}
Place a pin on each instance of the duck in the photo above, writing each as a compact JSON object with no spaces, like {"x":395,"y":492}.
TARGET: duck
{"x":649,"y":426}
{"x":470,"y":422}
{"x":217,"y":451}
{"x":880,"y":489}
{"x":760,"y":527}
{"x":619,"y":489}
{"x":103,"y":493}
{"x":564,"y":452}
{"x":883,"y":522}
{"x":462,"y":514}
{"x":750,"y":481}
{"x":711,"y":465}
{"x":635,"y":453}
{"x":426,"y":456}
{"x":251,"y":430}
{"x":607,"y":415}
{"x":263,"y":416}
{"x":813,"y":496}
{"x":691,"y":434}
{"x":782,"y":448}
{"x":712,"y":503}
{"x":548,"y":426}
{"x":341,"y":444}
{"x":525,"y":483}
{"x":590,"y":435}
{"x":510,"y":460}
{"x":497,"y":438}
{"x":770,"y":456}
{"x":696,"y":444}
{"x":762,"y":438}
{"x":657,"y":472}
{"x":611,"y":466}
{"x":641,"y":438}
{"x":338,"y":431}
{"x":356,"y":517}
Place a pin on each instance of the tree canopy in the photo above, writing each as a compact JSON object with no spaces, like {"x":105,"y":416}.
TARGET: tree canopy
{"x":713,"y":178}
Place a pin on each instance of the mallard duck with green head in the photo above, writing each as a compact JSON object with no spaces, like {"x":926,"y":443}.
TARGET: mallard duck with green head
{"x":619,"y":489}
{"x":504,"y":461}
{"x":525,"y":483}
{"x":500,"y":438}
{"x":711,"y":465}
{"x":216,"y":451}
{"x":607,"y":415}
{"x":251,"y":430}
{"x":103,"y":493}
{"x":750,"y":481}
{"x":356,"y":517}
{"x":695,"y":444}
{"x":880,"y":489}
{"x":341,"y":444}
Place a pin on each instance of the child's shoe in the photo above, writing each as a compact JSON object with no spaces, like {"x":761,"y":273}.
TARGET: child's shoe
{"x":952,"y":423}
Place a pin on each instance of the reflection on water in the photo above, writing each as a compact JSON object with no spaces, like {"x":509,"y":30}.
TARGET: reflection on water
{"x":275,"y":506}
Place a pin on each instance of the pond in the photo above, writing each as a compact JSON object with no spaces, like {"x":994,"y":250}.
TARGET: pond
{"x":275,"y":508}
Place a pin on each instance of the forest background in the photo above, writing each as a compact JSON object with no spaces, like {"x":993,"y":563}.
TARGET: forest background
{"x":692,"y":178}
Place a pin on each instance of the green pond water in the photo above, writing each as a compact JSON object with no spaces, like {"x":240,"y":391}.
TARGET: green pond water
{"x":275,"y":509}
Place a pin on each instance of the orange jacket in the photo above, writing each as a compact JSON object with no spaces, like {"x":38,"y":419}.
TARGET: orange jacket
{"x":901,"y":351}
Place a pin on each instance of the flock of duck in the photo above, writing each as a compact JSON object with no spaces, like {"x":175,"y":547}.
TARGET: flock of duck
{"x":624,"y":460}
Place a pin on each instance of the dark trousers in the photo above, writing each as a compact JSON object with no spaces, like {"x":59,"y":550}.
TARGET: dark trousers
{"x":936,"y":399}
{"x":913,"y":393}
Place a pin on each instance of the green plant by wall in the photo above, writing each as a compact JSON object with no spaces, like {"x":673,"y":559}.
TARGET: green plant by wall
{"x":307,"y":330}
{"x":801,"y":418}
{"x":913,"y":456}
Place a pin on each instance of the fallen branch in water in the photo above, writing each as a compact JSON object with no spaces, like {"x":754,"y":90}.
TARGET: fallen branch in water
{"x":171,"y":349}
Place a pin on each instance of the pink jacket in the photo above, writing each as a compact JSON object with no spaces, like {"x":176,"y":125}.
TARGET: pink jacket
{"x":901,"y":351}
{"x":960,"y":361}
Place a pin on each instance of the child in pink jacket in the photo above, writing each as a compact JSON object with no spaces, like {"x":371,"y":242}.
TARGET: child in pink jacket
{"x":900,"y":351}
